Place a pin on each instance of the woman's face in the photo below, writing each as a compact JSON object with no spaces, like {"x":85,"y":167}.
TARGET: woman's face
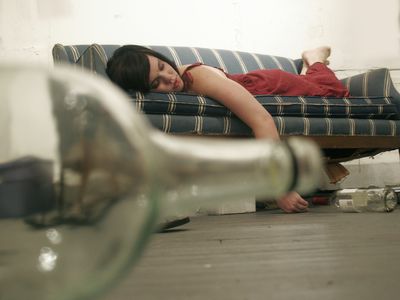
{"x":162,"y":77}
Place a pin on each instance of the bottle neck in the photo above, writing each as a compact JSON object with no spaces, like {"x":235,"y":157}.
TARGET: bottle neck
{"x":205,"y":170}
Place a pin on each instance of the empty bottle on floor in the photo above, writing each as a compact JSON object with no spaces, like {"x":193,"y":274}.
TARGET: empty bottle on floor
{"x":366,"y":200}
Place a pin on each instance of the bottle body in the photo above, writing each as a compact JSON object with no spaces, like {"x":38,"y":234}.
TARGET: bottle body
{"x":366,"y":200}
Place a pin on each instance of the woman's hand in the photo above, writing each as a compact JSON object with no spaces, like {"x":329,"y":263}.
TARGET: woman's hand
{"x":292,"y":202}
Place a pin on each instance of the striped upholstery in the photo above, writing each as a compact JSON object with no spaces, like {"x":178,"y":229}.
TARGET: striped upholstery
{"x":229,"y":61}
{"x":291,"y":106}
{"x":231,"y":126}
{"x":373,"y":109}
{"x":68,"y":54}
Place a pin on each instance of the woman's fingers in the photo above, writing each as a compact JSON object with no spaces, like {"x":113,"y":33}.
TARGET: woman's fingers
{"x":292,"y":202}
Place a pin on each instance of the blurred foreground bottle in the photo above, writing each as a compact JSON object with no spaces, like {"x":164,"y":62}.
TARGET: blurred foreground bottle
{"x":366,"y":200}
{"x":85,"y":180}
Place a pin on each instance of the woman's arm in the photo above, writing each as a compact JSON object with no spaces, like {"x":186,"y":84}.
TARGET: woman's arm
{"x":213,"y":83}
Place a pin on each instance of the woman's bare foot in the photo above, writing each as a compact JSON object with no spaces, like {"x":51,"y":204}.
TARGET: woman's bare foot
{"x":313,"y":56}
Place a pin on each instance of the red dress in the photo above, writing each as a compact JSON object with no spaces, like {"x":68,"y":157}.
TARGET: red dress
{"x":318,"y":81}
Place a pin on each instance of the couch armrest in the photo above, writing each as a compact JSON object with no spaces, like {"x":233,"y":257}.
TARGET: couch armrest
{"x":67,"y":53}
{"x":60,"y":55}
{"x":373,"y":83}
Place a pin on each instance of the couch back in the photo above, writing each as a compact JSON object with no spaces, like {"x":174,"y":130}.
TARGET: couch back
{"x":95,"y":57}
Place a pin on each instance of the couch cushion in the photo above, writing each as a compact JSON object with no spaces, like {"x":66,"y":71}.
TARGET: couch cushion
{"x":230,"y":61}
{"x":94,"y":59}
{"x":188,"y":104}
{"x":231,"y":126}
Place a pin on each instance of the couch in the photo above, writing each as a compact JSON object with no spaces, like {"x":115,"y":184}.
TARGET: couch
{"x":362,"y":125}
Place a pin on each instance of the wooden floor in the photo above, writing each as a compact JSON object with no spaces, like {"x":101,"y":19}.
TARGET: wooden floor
{"x":322,"y":254}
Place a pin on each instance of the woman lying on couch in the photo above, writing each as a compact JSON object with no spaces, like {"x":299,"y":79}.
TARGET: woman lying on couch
{"x":135,"y":67}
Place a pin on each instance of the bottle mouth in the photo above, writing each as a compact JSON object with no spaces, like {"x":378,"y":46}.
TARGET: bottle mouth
{"x":390,"y":200}
{"x":307,"y":164}
{"x":295,"y":166}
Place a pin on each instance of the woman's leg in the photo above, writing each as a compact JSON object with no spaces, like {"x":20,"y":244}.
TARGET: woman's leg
{"x":317,"y":72}
{"x":327,"y":81}
{"x":313,"y":56}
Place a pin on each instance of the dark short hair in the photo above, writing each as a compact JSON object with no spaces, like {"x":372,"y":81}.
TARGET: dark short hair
{"x":129,"y":67}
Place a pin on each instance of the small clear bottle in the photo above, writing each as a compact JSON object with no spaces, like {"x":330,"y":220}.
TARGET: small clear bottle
{"x":372,"y":199}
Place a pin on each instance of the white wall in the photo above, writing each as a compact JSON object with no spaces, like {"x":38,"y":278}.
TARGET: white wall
{"x":363,"y":33}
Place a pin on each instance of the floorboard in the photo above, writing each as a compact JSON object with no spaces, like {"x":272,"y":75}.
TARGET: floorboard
{"x":322,"y":254}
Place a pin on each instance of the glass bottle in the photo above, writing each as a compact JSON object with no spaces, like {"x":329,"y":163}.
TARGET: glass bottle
{"x":370,"y":199}
{"x":84,"y":180}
